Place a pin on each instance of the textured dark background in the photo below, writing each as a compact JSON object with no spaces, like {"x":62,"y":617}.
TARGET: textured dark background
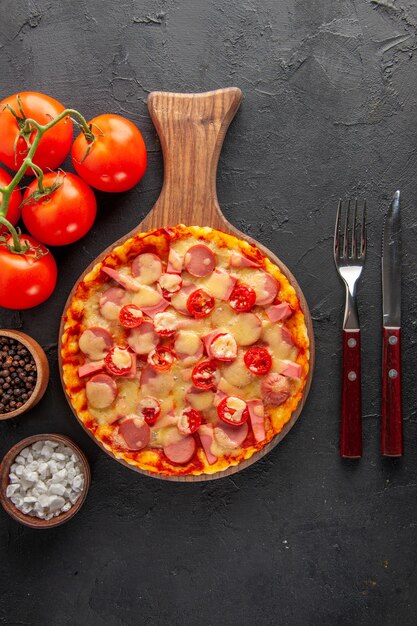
{"x":329,"y":109}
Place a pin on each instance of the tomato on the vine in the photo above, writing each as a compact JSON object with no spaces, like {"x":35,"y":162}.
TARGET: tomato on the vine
{"x":27,"y":279}
{"x":13,"y":210}
{"x":54,"y":145}
{"x":116,"y":159}
{"x":65,"y":215}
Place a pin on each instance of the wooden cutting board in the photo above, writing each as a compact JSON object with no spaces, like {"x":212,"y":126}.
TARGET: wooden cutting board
{"x":191,"y":128}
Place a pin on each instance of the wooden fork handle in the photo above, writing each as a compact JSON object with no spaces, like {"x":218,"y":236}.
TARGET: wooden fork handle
{"x":392,"y":422}
{"x":351,"y":409}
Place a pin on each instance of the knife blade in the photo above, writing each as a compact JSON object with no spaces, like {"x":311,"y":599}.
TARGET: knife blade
{"x":392,"y":427}
{"x":391,"y":265}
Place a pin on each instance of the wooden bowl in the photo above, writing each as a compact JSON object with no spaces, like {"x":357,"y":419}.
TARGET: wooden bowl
{"x":8,"y":460}
{"x":42,"y":368}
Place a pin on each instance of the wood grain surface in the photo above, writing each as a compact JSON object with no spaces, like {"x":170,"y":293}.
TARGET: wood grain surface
{"x":191,"y":128}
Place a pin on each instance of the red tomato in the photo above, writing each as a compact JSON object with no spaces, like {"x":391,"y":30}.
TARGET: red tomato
{"x":130,"y":316}
{"x":200,"y":303}
{"x":13,"y":210}
{"x":161,"y":358}
{"x":54,"y":145}
{"x":242,"y":298}
{"x":26,"y":281}
{"x":204,"y":375}
{"x":64,"y":216}
{"x":229,"y":415}
{"x":117,"y":157}
{"x":113,"y":366}
{"x":189,"y":421}
{"x":258,"y":361}
{"x":150,"y":409}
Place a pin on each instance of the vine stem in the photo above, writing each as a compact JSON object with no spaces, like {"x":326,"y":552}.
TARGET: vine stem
{"x":17,"y":245}
{"x":40,"y":129}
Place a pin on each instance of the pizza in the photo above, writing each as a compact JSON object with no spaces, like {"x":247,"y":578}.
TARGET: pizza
{"x":184,"y":351}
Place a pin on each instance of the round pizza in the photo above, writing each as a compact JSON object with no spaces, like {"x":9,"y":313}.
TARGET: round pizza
{"x":184,"y":351}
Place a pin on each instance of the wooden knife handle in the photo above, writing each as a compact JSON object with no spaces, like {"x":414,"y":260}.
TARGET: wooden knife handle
{"x":351,"y":411}
{"x":191,"y":128}
{"x":392,"y":422}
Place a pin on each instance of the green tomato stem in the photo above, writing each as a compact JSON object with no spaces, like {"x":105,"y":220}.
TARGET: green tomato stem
{"x":16,"y":240}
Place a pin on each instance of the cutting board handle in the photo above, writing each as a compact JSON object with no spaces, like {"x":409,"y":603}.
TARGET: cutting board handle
{"x":191,"y":128}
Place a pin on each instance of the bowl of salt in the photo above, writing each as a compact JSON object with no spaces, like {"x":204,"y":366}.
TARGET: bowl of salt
{"x":44,"y":480}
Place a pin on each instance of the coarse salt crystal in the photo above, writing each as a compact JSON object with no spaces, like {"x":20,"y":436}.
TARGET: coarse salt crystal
{"x":56,"y":489}
{"x":77,"y":483}
{"x":56,"y":502}
{"x":11,"y":489}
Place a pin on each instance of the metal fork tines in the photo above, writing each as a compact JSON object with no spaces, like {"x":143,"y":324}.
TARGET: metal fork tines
{"x":349,"y":258}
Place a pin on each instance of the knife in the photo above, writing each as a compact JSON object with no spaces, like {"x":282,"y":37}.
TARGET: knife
{"x":392,"y":427}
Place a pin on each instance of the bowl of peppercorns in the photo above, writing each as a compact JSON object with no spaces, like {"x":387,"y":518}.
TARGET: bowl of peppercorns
{"x":24,"y":373}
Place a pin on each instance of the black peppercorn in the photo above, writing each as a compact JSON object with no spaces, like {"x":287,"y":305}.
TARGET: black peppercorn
{"x":17,"y":374}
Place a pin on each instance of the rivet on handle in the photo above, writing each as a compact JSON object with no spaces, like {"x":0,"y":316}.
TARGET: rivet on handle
{"x":393,"y":373}
{"x":352,"y":342}
{"x":352,"y":376}
{"x":393,"y":340}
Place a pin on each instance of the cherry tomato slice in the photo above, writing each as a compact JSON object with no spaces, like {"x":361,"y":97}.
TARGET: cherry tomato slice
{"x":189,"y":421}
{"x":130,"y":316}
{"x":258,"y":361}
{"x":242,"y":298}
{"x":233,"y":410}
{"x":150,"y":409}
{"x":204,"y":375}
{"x":161,"y":359}
{"x":118,"y":361}
{"x":200,"y":303}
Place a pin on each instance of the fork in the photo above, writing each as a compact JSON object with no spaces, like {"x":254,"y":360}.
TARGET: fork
{"x":349,"y":258}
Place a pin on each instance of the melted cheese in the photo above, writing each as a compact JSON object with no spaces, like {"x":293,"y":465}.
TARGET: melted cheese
{"x":99,"y":395}
{"x":187,"y":342}
{"x":121,"y":358}
{"x":219,"y":284}
{"x":146,"y":296}
{"x":236,"y":373}
{"x":170,"y":282}
{"x":246,"y":328}
{"x":224,"y":347}
{"x":142,"y":342}
{"x":165,"y":321}
{"x":93,"y":345}
{"x":201,"y":401}
{"x":149,"y":268}
{"x":110,"y":310}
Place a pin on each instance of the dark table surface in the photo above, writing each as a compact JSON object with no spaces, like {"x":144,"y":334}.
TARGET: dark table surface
{"x":329,"y":110}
